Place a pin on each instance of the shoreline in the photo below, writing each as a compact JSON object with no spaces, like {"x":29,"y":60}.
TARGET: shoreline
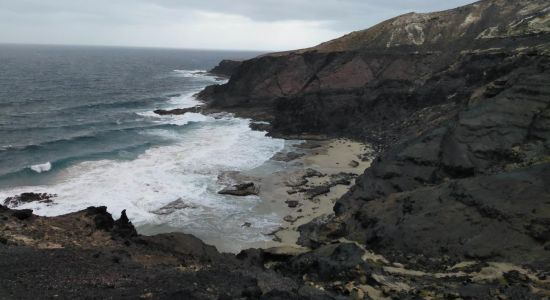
{"x":309,"y":168}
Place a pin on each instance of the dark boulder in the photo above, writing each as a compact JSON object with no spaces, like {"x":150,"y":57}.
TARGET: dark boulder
{"x":330,"y":262}
{"x":123,"y":227}
{"x":22,"y":214}
{"x":244,"y":189}
{"x":292,"y":203}
{"x":27,"y":198}
{"x":102,"y":219}
{"x":317,"y":191}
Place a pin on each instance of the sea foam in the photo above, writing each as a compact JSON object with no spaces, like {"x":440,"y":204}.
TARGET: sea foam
{"x":188,"y":169}
{"x":40,"y":168}
{"x":199,"y":74}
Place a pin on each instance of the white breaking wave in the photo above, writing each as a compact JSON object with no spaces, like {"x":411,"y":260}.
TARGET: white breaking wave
{"x":199,"y":74}
{"x":41,"y":167}
{"x":185,"y":101}
{"x":187,"y":170}
{"x":179,"y":120}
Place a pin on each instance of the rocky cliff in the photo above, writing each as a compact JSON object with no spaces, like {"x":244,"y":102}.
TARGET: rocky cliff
{"x":456,"y":205}
{"x":362,"y":83}
{"x":458,"y":103}
{"x":225,"y":68}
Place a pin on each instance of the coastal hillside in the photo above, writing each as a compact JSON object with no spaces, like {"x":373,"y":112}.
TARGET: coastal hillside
{"x":364,"y":83}
{"x":457,"y":104}
{"x":455,"y":204}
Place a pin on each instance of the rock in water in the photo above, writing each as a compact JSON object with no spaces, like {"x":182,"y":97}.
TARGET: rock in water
{"x":244,"y":189}
{"x":172,"y":207}
{"x":28,"y":197}
{"x":178,"y":111}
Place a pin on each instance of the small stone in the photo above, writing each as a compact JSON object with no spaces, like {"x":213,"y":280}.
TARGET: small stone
{"x":354,"y":164}
{"x":291,"y":219}
{"x":246,"y":224}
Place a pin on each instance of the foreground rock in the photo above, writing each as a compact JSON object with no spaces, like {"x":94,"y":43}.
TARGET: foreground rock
{"x":87,"y":254}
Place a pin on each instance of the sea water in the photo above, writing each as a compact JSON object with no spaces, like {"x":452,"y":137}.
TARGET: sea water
{"x":78,"y":122}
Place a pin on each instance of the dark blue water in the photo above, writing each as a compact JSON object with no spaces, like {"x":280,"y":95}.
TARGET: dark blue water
{"x":65,"y":104}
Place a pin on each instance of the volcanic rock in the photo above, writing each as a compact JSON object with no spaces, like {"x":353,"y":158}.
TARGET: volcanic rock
{"x":287,"y":156}
{"x":22,"y":214}
{"x":27,"y":198}
{"x":292,"y":203}
{"x":178,"y":111}
{"x":173,"y":207}
{"x":225,"y":68}
{"x":243,"y":189}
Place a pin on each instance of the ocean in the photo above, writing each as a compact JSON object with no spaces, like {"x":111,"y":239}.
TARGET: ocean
{"x":78,"y":122}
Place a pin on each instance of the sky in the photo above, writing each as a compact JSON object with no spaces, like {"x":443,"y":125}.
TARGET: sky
{"x":198,"y":24}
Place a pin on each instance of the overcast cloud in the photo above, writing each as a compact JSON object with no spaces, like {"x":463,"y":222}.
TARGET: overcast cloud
{"x":204,"y":24}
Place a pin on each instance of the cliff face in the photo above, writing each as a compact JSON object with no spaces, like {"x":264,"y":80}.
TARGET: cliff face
{"x":225,"y":68}
{"x":458,"y":103}
{"x":361,"y":83}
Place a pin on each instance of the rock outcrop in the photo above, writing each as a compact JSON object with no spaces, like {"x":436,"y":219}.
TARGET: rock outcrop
{"x":87,"y":254}
{"x":225,"y":68}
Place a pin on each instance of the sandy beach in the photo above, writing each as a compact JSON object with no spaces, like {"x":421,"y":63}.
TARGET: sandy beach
{"x":315,"y":174}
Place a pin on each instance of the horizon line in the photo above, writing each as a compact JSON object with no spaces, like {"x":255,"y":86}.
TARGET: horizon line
{"x":136,"y":47}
